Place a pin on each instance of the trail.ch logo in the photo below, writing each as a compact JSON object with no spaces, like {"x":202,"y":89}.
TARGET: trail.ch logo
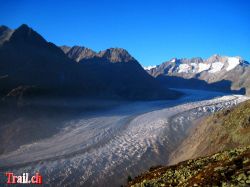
{"x":25,"y":178}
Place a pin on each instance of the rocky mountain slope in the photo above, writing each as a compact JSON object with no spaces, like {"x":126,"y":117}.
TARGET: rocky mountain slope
{"x":83,"y":54}
{"x":78,"y":53}
{"x":27,"y":59}
{"x":225,"y":136}
{"x":232,"y":72}
{"x":223,"y":130}
{"x":228,"y":168}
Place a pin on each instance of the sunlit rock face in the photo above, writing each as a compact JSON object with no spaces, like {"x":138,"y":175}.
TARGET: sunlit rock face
{"x":231,"y":73}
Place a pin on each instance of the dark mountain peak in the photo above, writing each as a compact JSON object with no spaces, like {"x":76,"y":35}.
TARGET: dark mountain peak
{"x":4,"y":28}
{"x":116,"y":55}
{"x":245,"y":62}
{"x":24,"y":27}
{"x":28,"y":59}
{"x":84,"y":54}
{"x":78,"y":53}
{"x":25,"y":34}
{"x":5,"y":34}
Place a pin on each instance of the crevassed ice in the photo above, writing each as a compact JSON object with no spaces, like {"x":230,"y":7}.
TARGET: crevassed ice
{"x":216,"y":66}
{"x":108,"y":157}
{"x":232,"y":63}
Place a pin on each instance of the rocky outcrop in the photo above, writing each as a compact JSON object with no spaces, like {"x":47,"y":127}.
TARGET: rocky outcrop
{"x":216,"y":152}
{"x":116,"y":55}
{"x":220,"y":169}
{"x":65,"y":48}
{"x":78,"y":53}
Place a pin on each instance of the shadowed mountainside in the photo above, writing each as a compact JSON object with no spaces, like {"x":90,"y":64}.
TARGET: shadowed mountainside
{"x":192,"y":83}
{"x":27,"y":59}
{"x":5,"y":34}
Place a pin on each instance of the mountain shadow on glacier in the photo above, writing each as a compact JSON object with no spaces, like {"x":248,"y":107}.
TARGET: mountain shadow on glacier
{"x":179,"y":82}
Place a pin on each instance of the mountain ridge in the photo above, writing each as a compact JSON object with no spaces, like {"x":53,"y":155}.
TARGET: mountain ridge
{"x":28,"y":60}
{"x":212,"y":59}
{"x":211,"y":70}
{"x":113,"y":54}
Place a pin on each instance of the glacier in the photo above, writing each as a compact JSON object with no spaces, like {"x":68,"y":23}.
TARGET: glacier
{"x":105,"y":147}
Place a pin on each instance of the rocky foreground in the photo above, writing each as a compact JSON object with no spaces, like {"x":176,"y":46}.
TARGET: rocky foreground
{"x":228,"y":168}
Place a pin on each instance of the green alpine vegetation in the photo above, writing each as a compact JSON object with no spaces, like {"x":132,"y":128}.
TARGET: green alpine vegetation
{"x":227,"y":168}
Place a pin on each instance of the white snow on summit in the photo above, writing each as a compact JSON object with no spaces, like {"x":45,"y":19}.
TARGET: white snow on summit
{"x":173,"y":60}
{"x":232,"y":63}
{"x":194,"y":65}
{"x":149,"y":67}
{"x":203,"y":67}
{"x":216,"y":66}
{"x":184,"y":68}
{"x":213,"y":65}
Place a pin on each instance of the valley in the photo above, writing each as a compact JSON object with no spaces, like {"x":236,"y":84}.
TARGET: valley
{"x":106,"y":146}
{"x":125,"y":93}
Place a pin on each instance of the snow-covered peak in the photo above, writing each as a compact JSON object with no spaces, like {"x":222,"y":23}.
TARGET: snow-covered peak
{"x":173,"y":60}
{"x":149,"y":67}
{"x":214,"y":64}
{"x":232,"y":63}
{"x":216,"y":67}
{"x":184,"y":68}
{"x":203,"y":67}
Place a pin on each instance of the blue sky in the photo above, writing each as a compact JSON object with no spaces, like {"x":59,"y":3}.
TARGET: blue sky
{"x":153,"y":31}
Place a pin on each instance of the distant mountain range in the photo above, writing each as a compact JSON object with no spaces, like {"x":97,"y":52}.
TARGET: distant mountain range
{"x":221,"y":73}
{"x":29,"y":65}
